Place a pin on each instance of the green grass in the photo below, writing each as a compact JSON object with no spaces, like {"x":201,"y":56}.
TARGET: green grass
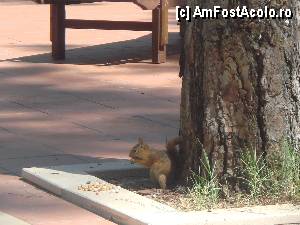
{"x":205,"y":191}
{"x":276,"y":177}
{"x":284,"y":170}
{"x":255,"y":174}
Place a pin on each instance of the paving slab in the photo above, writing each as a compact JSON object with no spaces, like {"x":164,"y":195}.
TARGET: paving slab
{"x":15,"y":166}
{"x":65,"y":180}
{"x":16,"y":147}
{"x":139,"y":126}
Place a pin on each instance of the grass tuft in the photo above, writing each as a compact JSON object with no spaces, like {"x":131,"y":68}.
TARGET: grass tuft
{"x":205,"y":191}
{"x":254,"y":174}
{"x":263,"y":179}
{"x":284,"y":170}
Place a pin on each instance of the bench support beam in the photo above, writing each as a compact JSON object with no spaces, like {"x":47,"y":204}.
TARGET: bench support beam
{"x":160,"y":32}
{"x":57,"y":30}
{"x":108,"y":25}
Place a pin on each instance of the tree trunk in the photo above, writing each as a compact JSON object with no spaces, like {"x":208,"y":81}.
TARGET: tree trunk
{"x":240,"y":88}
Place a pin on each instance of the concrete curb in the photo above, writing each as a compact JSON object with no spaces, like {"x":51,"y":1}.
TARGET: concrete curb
{"x":124,"y":207}
{"x":121,"y":206}
{"x":6,"y":219}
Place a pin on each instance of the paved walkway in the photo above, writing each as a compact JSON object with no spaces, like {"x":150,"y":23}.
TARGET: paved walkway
{"x":94,"y":105}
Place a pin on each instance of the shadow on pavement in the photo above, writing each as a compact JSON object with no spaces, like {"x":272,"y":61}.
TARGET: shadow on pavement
{"x":129,"y":51}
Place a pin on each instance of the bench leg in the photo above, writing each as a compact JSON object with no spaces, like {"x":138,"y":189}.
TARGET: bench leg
{"x":160,"y":33}
{"x":57,"y":30}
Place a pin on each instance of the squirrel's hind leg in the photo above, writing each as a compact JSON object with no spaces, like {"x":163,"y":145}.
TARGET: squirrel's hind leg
{"x":162,"y":180}
{"x":158,"y":177}
{"x":152,"y":175}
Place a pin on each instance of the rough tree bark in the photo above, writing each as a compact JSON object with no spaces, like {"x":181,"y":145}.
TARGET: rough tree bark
{"x":240,"y":86}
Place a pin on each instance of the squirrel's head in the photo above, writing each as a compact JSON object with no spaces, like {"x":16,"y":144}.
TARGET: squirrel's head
{"x":139,"y":152}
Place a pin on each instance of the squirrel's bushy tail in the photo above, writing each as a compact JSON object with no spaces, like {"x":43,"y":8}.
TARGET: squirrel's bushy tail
{"x":171,"y":144}
{"x":173,"y":153}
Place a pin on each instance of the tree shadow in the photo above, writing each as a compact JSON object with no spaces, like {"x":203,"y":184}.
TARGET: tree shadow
{"x":116,"y":53}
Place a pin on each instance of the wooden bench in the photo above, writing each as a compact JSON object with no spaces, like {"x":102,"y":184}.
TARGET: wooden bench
{"x":158,"y":26}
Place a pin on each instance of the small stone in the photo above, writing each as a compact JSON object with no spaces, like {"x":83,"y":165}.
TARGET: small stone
{"x":287,"y":22}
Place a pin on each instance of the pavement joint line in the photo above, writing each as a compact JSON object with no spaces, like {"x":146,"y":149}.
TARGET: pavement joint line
{"x":27,"y":138}
{"x":6,"y":130}
{"x":29,"y":107}
{"x":158,"y":97}
{"x":89,"y":128}
{"x":135,"y":90}
{"x":95,"y":130}
{"x":93,"y":101}
{"x":62,"y":118}
{"x":35,"y":156}
{"x":154,"y":121}
{"x":131,"y":89}
{"x":113,"y":137}
{"x":64,"y":181}
{"x":105,"y":135}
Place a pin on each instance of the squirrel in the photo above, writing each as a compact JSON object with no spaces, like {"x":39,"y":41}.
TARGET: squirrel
{"x":162,"y":163}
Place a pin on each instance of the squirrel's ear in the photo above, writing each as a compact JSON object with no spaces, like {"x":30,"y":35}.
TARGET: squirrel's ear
{"x":140,"y":140}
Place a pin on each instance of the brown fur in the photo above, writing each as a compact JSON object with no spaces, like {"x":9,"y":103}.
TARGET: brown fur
{"x":160,"y":162}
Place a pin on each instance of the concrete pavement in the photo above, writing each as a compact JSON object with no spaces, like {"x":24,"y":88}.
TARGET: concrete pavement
{"x":91,"y":106}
